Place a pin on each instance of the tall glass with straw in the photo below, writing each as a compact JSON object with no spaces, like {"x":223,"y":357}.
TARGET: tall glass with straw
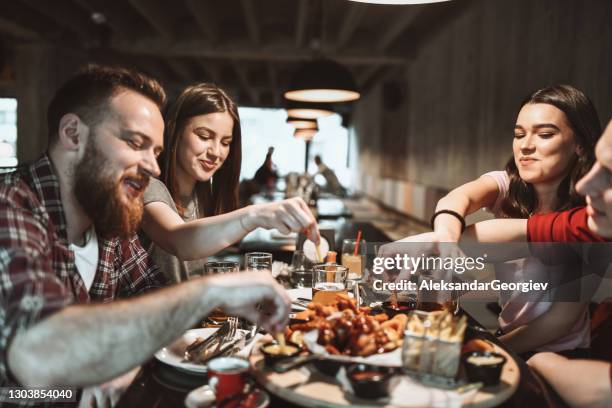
{"x":354,"y":257}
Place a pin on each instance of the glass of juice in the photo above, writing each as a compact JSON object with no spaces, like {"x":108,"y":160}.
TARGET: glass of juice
{"x":354,"y":260}
{"x":329,"y":281}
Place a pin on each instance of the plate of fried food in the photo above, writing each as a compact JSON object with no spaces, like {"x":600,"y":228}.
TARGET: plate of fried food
{"x":343,"y":329}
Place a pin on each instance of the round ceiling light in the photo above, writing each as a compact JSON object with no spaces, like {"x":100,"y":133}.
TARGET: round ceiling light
{"x":323,"y":80}
{"x":300,"y":123}
{"x":399,"y":2}
{"x":306,"y":134}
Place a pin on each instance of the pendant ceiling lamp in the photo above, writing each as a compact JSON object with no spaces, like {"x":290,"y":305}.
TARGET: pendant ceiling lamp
{"x":399,"y":2}
{"x":323,"y":80}
{"x":308,"y":110}
{"x":300,"y":123}
{"x":306,"y":134}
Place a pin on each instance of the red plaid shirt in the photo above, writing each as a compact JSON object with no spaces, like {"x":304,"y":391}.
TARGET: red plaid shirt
{"x":37,"y":271}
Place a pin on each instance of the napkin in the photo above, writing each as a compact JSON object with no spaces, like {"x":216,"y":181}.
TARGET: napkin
{"x":404,"y":392}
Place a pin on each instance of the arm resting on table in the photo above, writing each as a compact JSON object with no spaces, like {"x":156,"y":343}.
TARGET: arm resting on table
{"x":581,"y":383}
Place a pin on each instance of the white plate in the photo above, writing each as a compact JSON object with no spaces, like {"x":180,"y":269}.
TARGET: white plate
{"x":310,"y":250}
{"x":174,"y":354}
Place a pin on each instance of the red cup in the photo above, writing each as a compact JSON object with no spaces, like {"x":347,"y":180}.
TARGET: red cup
{"x":228,"y":376}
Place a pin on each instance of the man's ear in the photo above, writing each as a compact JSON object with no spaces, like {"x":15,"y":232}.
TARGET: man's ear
{"x":72,"y":132}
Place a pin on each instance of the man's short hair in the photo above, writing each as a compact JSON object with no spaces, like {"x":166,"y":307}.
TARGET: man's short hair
{"x":86,"y":94}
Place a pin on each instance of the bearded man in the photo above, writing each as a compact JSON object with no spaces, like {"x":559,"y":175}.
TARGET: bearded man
{"x":68,"y":248}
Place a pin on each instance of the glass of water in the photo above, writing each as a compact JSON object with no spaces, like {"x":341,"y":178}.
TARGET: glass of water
{"x":215,"y":267}
{"x":301,"y":278}
{"x":258,"y":261}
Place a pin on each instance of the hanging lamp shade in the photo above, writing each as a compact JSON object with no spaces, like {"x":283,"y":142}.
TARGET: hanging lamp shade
{"x":399,"y":2}
{"x":323,"y":80}
{"x":300,"y":123}
{"x":308,"y":110}
{"x":306,"y":134}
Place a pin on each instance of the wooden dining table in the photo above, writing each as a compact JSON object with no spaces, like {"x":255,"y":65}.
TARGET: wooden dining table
{"x":158,"y":385}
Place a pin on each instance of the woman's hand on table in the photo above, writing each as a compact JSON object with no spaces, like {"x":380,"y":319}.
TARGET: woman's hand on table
{"x":256,"y":296}
{"x":290,"y":215}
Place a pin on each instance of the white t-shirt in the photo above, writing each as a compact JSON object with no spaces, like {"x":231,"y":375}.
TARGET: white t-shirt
{"x":86,"y":257}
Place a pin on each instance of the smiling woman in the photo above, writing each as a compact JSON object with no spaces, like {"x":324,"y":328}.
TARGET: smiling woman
{"x":553,"y":147}
{"x":191,"y":212}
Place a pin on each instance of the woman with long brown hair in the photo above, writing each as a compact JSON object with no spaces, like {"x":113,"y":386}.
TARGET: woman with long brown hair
{"x":553,"y":147}
{"x":191,"y":212}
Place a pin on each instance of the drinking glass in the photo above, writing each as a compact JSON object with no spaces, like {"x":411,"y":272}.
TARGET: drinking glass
{"x":353,"y":259}
{"x":301,"y":278}
{"x":434,"y":299}
{"x":258,"y":261}
{"x":300,"y":260}
{"x":216,"y":267}
{"x":329,"y":281}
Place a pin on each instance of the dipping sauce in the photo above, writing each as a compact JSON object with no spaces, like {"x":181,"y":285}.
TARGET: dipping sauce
{"x":401,"y":306}
{"x":485,"y":360}
{"x":367,"y":375}
{"x":281,"y":351}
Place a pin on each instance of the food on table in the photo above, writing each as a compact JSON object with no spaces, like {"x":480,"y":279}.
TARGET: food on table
{"x":280,"y":350}
{"x":485,"y":360}
{"x":369,"y":381}
{"x":433,"y":343}
{"x":476,"y":345}
{"x":484,"y":366}
{"x":366,"y":375}
{"x":344,"y":328}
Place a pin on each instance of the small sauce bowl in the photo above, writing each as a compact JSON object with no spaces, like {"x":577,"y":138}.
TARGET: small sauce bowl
{"x":369,"y":381}
{"x":399,"y":308}
{"x":271,"y":353}
{"x":484,"y":366}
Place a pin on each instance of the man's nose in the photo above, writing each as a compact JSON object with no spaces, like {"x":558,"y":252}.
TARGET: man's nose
{"x":150,"y":165}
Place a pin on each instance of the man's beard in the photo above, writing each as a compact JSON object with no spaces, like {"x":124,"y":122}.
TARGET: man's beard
{"x":100,"y":196}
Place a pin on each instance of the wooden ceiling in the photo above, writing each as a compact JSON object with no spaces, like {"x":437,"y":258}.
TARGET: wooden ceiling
{"x":250,"y":47}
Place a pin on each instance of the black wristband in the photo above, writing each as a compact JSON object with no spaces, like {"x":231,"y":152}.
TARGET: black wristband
{"x":450,"y":212}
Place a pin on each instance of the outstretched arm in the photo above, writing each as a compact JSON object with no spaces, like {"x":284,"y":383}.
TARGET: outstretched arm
{"x":88,"y":344}
{"x":206,"y":236}
{"x":463,"y":200}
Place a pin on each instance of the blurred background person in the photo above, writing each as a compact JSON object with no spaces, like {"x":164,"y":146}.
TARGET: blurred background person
{"x":332,"y":183}
{"x":266,"y":176}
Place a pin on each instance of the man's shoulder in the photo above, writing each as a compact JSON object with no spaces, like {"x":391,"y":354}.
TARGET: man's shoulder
{"x":16,"y":192}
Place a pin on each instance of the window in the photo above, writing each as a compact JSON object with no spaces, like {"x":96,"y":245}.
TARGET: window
{"x":262,"y":128}
{"x":8,"y":132}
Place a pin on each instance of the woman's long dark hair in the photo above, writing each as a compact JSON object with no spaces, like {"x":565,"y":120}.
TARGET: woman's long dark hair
{"x":220,"y":196}
{"x":522,"y":199}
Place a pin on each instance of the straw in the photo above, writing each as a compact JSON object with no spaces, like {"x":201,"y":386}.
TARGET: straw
{"x":356,"y":251}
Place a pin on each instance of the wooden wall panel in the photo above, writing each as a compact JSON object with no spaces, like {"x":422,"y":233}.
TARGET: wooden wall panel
{"x":465,"y":86}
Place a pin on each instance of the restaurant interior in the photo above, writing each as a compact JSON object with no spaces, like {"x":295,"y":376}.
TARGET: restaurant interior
{"x":428,"y":94}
